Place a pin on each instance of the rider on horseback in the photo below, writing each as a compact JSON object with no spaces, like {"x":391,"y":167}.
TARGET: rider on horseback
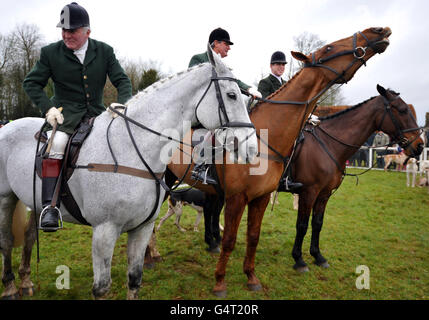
{"x":78,"y":67}
{"x":220,"y":42}
{"x":268,"y":86}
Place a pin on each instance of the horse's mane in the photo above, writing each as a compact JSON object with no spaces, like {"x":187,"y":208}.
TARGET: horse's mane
{"x":164,"y":81}
{"x":340,"y":113}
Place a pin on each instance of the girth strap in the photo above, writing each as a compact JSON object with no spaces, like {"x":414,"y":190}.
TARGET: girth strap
{"x":98,"y":167}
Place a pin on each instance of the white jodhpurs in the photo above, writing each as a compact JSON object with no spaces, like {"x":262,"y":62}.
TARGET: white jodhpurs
{"x":58,"y":144}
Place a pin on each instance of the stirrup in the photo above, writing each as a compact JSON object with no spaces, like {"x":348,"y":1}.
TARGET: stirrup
{"x":50,"y":229}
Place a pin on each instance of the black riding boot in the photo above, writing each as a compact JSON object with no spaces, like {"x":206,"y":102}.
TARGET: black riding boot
{"x":287,"y":185}
{"x":201,"y":173}
{"x":50,"y":216}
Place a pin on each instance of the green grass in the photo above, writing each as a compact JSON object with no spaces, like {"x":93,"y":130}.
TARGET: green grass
{"x":379,"y":223}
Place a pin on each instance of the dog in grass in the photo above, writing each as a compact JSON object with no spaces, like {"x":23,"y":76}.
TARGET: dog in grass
{"x":399,"y":159}
{"x":193,"y":198}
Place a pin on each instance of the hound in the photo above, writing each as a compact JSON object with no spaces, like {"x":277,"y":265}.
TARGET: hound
{"x":193,"y":198}
{"x":399,"y":159}
{"x":411,"y":169}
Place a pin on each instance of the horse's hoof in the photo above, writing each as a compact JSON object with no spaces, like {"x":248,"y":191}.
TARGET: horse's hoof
{"x":214,"y":249}
{"x":26,"y":292}
{"x":301,"y":269}
{"x":220,"y":293}
{"x":323,"y":264}
{"x":254,"y":287}
{"x":157,"y":258}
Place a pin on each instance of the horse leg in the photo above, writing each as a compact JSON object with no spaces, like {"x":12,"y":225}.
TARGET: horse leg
{"x":137,"y":245}
{"x":304,"y":209}
{"x":103,"y":243}
{"x":216,"y":226}
{"x":233,"y":212}
{"x":7,"y":207}
{"x":316,"y":227}
{"x":254,"y":221}
{"x":209,"y":211}
{"x":27,"y":287}
{"x":152,"y":254}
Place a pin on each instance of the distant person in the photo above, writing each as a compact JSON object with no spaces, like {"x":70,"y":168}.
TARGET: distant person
{"x":380,"y":140}
{"x":78,"y":66}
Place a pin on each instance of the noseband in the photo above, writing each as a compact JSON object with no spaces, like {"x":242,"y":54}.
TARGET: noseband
{"x":401,"y":140}
{"x":358,"y":52}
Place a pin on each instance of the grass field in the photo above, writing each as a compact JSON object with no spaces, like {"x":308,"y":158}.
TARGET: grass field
{"x":379,"y":223}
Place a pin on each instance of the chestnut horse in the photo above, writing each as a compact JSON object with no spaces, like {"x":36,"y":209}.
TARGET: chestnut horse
{"x":282,"y":116}
{"x":320,"y":159}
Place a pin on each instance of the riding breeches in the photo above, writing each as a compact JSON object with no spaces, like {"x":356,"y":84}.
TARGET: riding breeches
{"x":59,"y":144}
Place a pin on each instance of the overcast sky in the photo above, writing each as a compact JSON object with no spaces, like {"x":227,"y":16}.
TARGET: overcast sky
{"x":171,"y":31}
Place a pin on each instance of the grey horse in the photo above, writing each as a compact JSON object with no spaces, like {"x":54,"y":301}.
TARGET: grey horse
{"x":114,"y":203}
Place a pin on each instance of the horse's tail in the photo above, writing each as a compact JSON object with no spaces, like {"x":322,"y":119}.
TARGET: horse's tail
{"x":19,"y":223}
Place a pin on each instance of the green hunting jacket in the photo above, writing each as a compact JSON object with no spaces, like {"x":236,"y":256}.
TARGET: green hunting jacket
{"x":269,"y":85}
{"x":203,"y":57}
{"x":78,"y":88}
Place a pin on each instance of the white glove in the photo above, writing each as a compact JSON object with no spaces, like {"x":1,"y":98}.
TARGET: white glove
{"x":254,"y":92}
{"x":314,"y":120}
{"x":54,"y":116}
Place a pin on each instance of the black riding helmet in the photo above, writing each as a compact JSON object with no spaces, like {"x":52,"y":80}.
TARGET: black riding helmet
{"x":220,"y":34}
{"x":278,"y":57}
{"x":73,"y":16}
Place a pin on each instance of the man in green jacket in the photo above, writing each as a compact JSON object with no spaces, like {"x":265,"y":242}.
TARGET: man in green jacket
{"x":78,"y":67}
{"x":220,"y":42}
{"x":274,"y":81}
{"x":268,"y":86}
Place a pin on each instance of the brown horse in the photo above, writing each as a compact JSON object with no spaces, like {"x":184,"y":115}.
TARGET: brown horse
{"x":283,"y":116}
{"x":320,"y":159}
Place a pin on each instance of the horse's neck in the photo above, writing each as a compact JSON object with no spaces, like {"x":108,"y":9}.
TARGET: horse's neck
{"x":353,"y":128}
{"x":285,"y":121}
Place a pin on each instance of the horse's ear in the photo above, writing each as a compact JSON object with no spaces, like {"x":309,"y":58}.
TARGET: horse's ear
{"x":211,"y":56}
{"x":300,"y":56}
{"x":381,"y":90}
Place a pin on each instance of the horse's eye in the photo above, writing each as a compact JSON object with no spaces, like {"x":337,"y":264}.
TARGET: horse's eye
{"x":328,"y":48}
{"x":232,"y":95}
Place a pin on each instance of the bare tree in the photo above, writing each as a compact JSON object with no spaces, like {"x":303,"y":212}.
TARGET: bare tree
{"x":19,"y":51}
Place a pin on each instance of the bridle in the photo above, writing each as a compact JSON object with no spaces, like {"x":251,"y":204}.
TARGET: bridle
{"x":223,"y":115}
{"x":401,"y":139}
{"x":358,"y":52}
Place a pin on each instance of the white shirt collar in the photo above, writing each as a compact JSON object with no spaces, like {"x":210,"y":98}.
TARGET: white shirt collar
{"x":81,"y":52}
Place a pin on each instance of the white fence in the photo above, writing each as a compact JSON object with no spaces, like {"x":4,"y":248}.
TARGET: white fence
{"x":366,"y":156}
